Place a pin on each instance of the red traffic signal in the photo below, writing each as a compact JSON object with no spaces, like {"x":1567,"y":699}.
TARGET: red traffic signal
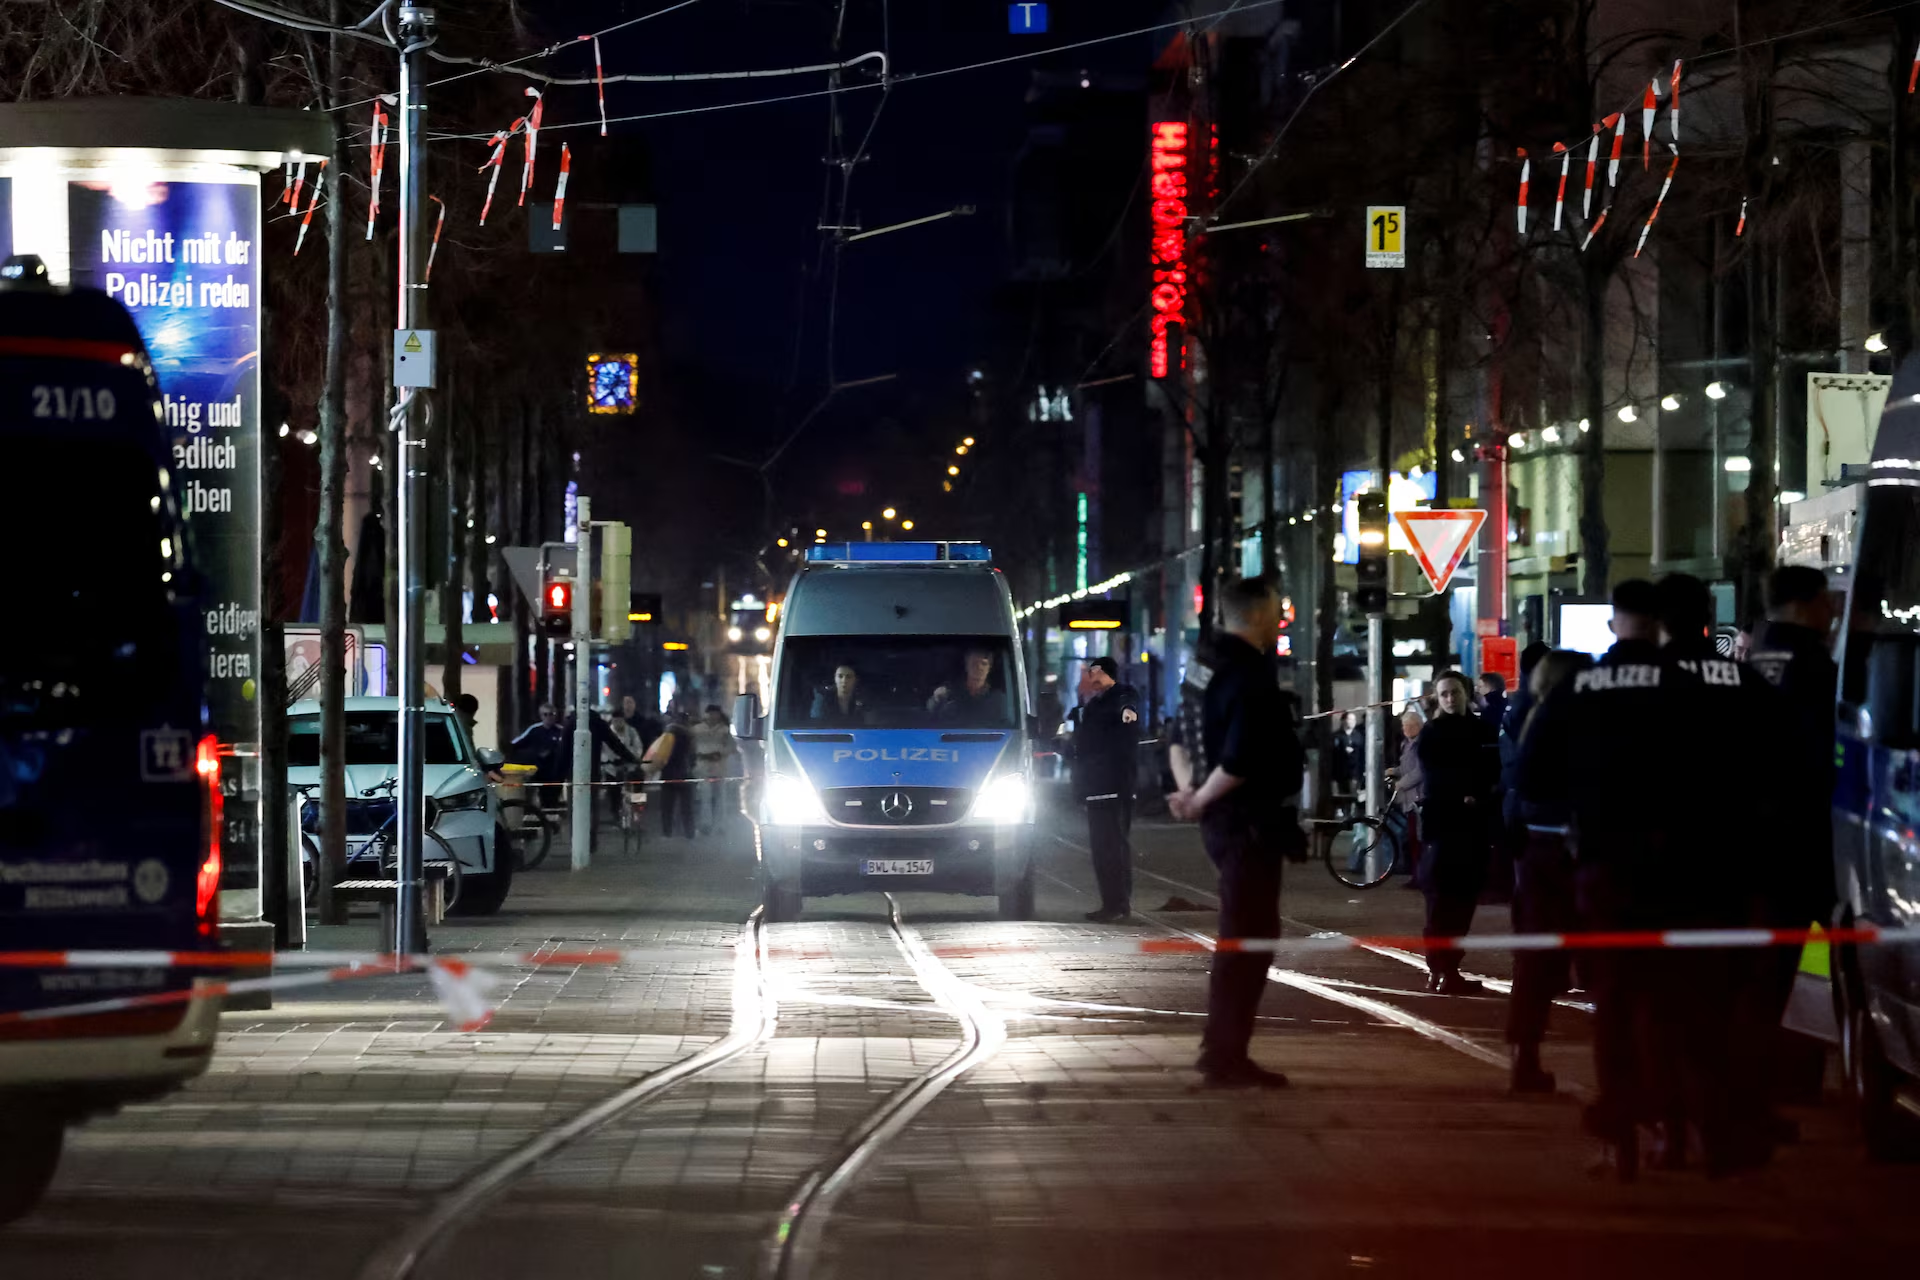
{"x":559,"y":597}
{"x":556,"y":606}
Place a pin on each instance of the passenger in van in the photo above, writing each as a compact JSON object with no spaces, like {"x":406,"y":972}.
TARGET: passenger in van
{"x":977,"y":699}
{"x":841,"y":705}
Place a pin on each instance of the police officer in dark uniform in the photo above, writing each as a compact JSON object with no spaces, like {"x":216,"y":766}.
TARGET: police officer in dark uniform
{"x":1792,"y":654}
{"x":1104,"y":744}
{"x":1600,"y":751}
{"x":1706,"y":1001}
{"x":1249,"y":773}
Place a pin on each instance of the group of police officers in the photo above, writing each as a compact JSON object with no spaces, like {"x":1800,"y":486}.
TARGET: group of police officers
{"x":1691,"y":790}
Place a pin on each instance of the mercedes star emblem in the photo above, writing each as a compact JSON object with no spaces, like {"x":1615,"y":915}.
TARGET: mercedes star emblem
{"x":896,"y":805}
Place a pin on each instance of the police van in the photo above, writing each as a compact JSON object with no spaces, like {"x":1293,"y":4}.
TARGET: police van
{"x":898,"y":744}
{"x":110,"y":805}
{"x":1876,"y":806}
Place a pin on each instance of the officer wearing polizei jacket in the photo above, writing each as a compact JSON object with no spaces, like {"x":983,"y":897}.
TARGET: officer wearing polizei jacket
{"x":1246,"y":803}
{"x":1600,"y":751}
{"x":1104,"y":743}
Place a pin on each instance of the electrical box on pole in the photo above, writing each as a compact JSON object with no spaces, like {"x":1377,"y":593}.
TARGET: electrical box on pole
{"x":614,"y":586}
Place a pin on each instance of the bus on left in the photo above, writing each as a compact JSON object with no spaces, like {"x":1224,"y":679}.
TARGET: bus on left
{"x":110,"y":804}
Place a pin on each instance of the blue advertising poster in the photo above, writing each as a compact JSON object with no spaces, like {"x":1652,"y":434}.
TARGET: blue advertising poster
{"x":181,"y":257}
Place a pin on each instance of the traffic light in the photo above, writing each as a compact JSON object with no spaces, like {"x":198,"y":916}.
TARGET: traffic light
{"x":556,"y":606}
{"x":1370,"y":568}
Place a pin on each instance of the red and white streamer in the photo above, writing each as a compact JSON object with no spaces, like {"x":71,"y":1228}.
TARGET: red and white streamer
{"x":600,"y":85}
{"x":379,"y":164}
{"x":319,"y":178}
{"x":1594,"y":230}
{"x":1593,"y":162}
{"x":1560,"y":196}
{"x":1662,"y":199}
{"x":533,"y":140}
{"x":499,"y":144}
{"x":1740,"y":227}
{"x":299,"y":180}
{"x":1619,"y":122}
{"x":1520,"y":208}
{"x":434,"y":248}
{"x":286,"y":182}
{"x":1673,"y":105}
{"x":1648,"y":106}
{"x":560,"y":190}
{"x":1913,"y":76}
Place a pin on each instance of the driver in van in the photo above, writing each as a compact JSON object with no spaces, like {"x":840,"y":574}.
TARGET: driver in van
{"x":840,"y":705}
{"x":977,"y":695}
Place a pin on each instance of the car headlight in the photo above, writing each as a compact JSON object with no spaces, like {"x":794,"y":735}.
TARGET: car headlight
{"x":1004,"y":799}
{"x":792,"y":803}
{"x":459,"y":800}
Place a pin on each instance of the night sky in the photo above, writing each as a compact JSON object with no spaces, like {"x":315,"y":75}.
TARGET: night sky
{"x":740,"y":194}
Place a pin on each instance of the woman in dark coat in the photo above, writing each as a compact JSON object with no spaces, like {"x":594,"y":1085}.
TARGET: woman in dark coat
{"x":1460,"y":760}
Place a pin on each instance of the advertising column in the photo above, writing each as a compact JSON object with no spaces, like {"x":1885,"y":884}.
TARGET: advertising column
{"x":181,"y":257}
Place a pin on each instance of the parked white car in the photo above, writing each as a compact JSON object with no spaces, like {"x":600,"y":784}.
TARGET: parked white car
{"x":464,"y":812}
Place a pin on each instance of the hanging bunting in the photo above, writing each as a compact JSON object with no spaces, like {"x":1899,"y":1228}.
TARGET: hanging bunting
{"x":532,"y":119}
{"x":1594,"y":230}
{"x":560,"y":191}
{"x":434,"y":247}
{"x":1648,"y":105}
{"x":1658,"y":201}
{"x":1619,"y":122}
{"x":1673,"y":105}
{"x":1740,"y":227}
{"x":1913,"y":76}
{"x":379,"y":163}
{"x":1526,"y":171}
{"x":299,"y":181}
{"x":1593,"y":161}
{"x":499,"y":144}
{"x":286,"y":180}
{"x":1560,"y":196}
{"x":319,"y":177}
{"x":600,"y":85}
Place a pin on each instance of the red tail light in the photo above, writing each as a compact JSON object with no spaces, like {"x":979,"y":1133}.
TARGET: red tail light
{"x":206,"y":763}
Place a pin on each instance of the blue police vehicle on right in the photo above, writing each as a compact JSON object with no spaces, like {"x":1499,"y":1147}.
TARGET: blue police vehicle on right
{"x":1876,"y":807}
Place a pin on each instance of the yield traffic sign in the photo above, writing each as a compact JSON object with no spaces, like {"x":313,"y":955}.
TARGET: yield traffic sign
{"x":1440,"y":539}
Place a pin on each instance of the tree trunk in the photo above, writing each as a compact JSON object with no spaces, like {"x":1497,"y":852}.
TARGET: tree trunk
{"x":1439,"y":621}
{"x":1595,"y":556}
{"x":329,"y":533}
{"x":1903,"y":172}
{"x":272,"y":691}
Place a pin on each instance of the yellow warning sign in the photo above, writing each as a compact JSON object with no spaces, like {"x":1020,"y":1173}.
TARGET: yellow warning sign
{"x":412,"y":344}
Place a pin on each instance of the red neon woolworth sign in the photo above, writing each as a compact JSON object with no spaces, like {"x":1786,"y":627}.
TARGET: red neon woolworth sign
{"x":1168,"y":160}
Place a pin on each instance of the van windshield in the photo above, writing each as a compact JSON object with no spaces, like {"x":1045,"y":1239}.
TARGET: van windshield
{"x":897,"y":682}
{"x":1886,"y":589}
{"x":373,"y":737}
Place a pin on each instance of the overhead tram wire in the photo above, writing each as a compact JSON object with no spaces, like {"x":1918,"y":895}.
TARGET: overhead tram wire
{"x":269,"y":13}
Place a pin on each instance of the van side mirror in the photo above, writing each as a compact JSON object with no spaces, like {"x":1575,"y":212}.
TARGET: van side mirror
{"x":489,"y":758}
{"x":749,"y":725}
{"x":1893,"y":691}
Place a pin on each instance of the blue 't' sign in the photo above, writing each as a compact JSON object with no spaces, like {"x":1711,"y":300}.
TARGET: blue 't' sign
{"x":1027,"y":19}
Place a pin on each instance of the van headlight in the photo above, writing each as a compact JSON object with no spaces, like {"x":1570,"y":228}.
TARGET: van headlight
{"x":792,"y":803}
{"x":459,"y":800}
{"x":1004,"y":799}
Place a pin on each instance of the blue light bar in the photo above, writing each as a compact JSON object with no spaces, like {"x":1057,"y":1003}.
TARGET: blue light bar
{"x":898,"y":552}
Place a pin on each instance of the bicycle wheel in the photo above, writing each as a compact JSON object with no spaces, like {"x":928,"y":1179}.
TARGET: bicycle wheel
{"x":309,"y":869}
{"x":1368,"y":857}
{"x":531,"y":835}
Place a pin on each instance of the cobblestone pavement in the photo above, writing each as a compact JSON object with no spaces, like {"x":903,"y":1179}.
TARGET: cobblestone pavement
{"x":1082,"y":1147}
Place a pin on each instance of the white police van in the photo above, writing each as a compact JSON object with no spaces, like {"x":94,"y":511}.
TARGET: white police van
{"x":898,"y":747}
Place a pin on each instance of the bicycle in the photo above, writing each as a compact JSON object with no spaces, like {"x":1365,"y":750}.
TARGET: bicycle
{"x":382,"y":844}
{"x":532,"y":830}
{"x":1376,"y":847}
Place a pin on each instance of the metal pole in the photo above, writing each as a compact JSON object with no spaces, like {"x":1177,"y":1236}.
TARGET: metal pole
{"x":582,"y":690}
{"x":1376,"y":716}
{"x":416,"y":33}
